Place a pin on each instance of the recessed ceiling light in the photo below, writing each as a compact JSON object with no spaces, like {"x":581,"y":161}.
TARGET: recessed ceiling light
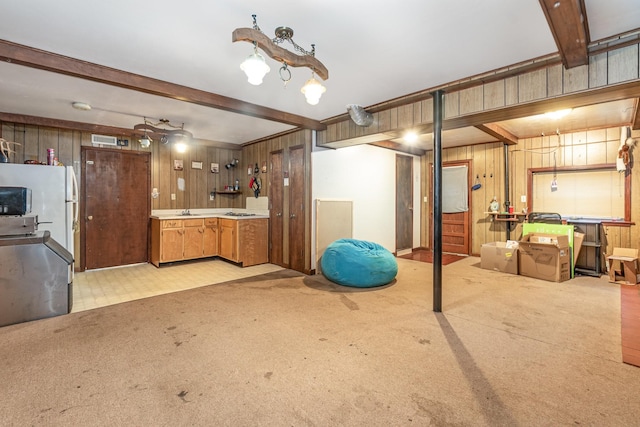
{"x":81,"y":106}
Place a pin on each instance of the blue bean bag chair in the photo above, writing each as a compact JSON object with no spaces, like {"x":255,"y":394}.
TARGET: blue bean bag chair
{"x":358,"y":263}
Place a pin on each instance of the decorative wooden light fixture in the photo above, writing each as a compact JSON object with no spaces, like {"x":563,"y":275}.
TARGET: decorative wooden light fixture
{"x":176,"y":134}
{"x":256,"y":68}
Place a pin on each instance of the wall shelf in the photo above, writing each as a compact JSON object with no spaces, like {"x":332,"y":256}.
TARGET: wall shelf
{"x":507,"y":217}
{"x":228,"y":192}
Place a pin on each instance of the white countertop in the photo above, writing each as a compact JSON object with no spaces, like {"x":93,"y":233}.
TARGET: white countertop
{"x":209,"y":213}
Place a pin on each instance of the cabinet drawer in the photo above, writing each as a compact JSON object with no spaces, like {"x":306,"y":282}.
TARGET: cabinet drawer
{"x":210,"y":222}
{"x":192,"y":222}
{"x":172,"y":223}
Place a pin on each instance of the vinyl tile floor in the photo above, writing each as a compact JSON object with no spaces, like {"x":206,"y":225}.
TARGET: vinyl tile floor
{"x":102,"y":287}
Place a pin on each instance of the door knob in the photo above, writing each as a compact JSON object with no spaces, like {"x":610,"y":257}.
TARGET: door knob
{"x":90,"y":217}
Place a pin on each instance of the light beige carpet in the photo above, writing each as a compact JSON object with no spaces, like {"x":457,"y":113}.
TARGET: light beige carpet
{"x":293,"y":350}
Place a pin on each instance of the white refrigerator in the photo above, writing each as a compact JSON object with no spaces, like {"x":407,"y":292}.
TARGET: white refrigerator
{"x":54,"y":193}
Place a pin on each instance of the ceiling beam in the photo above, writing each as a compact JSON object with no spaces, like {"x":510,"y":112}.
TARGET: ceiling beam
{"x":568,"y":22}
{"x":400,"y":147}
{"x":498,"y":132}
{"x":578,"y":99}
{"x":24,"y":119}
{"x":43,"y":60}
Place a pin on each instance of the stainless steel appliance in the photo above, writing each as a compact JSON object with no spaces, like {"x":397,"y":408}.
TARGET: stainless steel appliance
{"x":36,"y":272}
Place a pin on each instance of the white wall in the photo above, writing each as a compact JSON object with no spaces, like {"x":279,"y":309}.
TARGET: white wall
{"x":364,"y":174}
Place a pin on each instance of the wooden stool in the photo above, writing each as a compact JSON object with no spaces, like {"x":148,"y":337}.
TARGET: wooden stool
{"x":628,"y":259}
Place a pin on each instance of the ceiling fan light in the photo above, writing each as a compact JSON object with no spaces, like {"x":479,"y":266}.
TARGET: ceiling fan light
{"x":313,"y":90}
{"x":255,"y":68}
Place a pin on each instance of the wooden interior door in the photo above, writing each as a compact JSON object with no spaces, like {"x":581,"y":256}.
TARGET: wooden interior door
{"x":296,"y":209}
{"x":115,"y":207}
{"x":404,"y":203}
{"x":456,"y":227}
{"x":276,"y":209}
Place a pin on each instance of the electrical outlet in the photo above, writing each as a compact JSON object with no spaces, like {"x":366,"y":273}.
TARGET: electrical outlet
{"x":173,"y":196}
{"x":523,"y":198}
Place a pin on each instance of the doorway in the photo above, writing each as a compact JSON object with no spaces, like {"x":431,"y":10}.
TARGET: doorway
{"x":404,"y":204}
{"x":456,"y":226}
{"x":115,"y":207}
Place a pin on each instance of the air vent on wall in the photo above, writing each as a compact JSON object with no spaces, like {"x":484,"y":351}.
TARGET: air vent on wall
{"x":103,"y":140}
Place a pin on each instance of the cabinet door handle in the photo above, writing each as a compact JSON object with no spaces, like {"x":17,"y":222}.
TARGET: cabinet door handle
{"x":292,"y":216}
{"x":279,"y":214}
{"x":90,"y":217}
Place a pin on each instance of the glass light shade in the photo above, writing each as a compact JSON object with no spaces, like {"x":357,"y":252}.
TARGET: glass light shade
{"x":145,"y":142}
{"x":313,"y":90}
{"x":255,"y":68}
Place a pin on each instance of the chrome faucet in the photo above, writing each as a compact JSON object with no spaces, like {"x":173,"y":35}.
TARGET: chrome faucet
{"x":186,"y":212}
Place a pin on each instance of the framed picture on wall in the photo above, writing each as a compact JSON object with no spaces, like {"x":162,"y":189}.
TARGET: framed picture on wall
{"x":215,"y":167}
{"x":196,"y":165}
{"x":178,"y":165}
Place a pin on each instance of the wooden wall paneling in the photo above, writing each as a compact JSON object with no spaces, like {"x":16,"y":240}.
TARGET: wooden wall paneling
{"x":451,"y":104}
{"x":212,"y":157}
{"x":596,"y":135}
{"x":613,"y":142}
{"x":565,"y":152}
{"x":554,"y":80}
{"x":622,"y":64}
{"x":47,"y":138}
{"x":18,"y":135}
{"x":384,"y":120}
{"x":155,"y":173}
{"x":165,"y":170}
{"x":471,"y":100}
{"x":426,"y":110}
{"x":532,"y":86}
{"x":76,"y":161}
{"x":575,"y":79}
{"x":494,"y":95}
{"x":405,"y":116}
{"x":198,"y":194}
{"x":65,"y":147}
{"x":580,"y":152}
{"x":597,"y":152}
{"x":180,"y":177}
{"x":511,"y":91}
{"x":480,"y":221}
{"x":598,"y":70}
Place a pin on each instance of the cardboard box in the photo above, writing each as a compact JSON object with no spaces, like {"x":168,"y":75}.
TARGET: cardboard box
{"x":499,"y":256}
{"x":543,"y":228}
{"x":545,"y":256}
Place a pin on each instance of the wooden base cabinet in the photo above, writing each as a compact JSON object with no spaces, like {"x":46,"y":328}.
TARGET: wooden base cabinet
{"x":180,"y":239}
{"x":211,"y":240}
{"x":244,"y":241}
